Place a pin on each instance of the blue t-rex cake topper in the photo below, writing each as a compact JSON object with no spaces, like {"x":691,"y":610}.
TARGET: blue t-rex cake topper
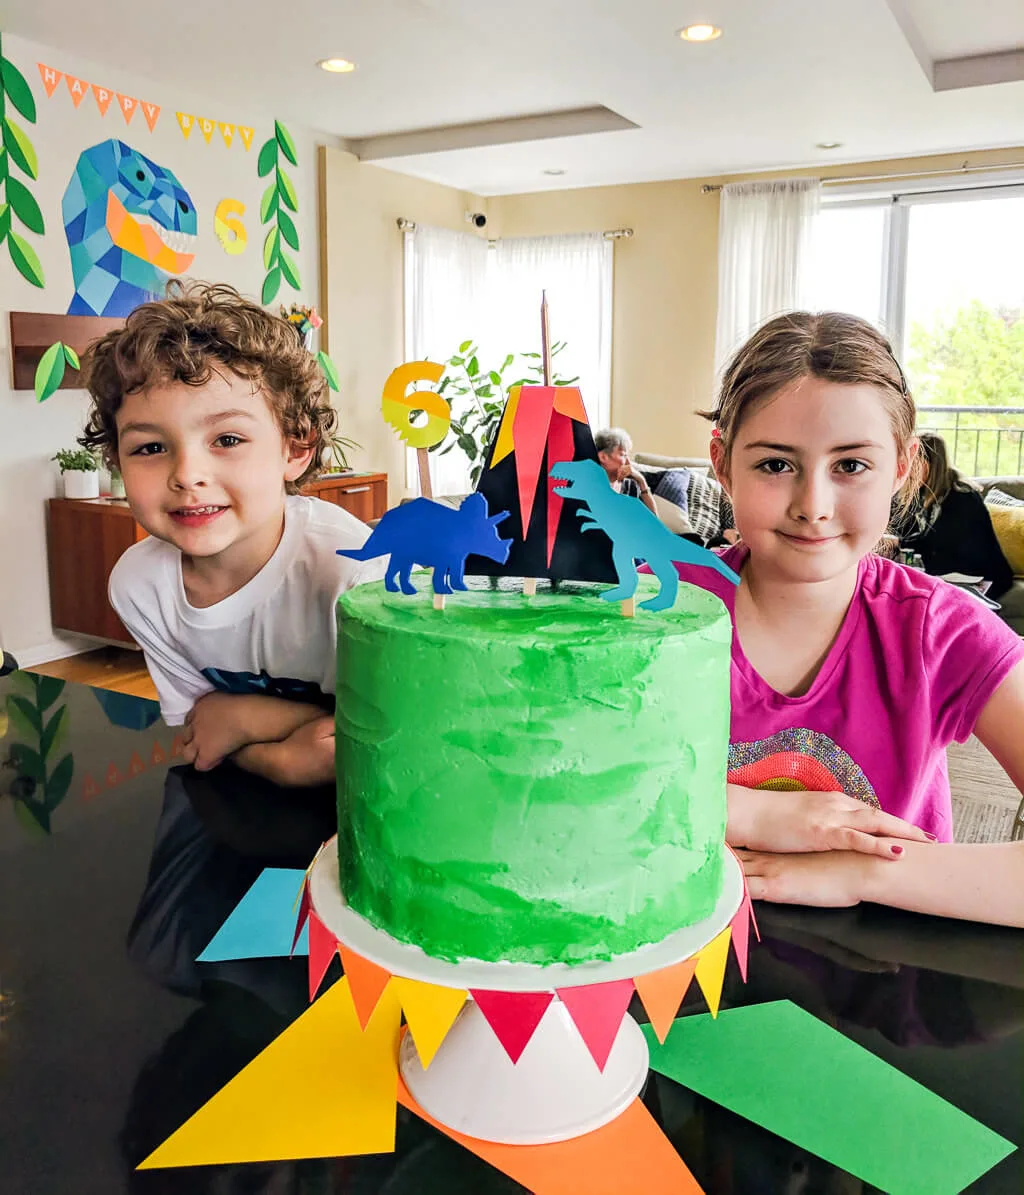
{"x":636,"y":534}
{"x":436,"y":536}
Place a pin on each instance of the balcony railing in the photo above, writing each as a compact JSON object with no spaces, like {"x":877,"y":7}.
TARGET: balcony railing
{"x":982,"y":441}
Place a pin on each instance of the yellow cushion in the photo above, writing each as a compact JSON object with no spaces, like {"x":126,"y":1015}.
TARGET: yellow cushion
{"x":1008,"y":524}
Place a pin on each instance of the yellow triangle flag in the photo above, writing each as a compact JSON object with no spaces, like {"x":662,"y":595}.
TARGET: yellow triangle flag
{"x":186,"y":122}
{"x":246,"y":134}
{"x":323,"y":1089}
{"x":206,"y":127}
{"x":430,"y":1011}
{"x":227,"y":131}
{"x":710,"y":970}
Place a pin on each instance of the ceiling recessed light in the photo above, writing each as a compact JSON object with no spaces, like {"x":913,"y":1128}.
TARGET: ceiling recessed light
{"x":337,"y":66}
{"x":552,"y":172}
{"x":700,"y":32}
{"x":828,"y":144}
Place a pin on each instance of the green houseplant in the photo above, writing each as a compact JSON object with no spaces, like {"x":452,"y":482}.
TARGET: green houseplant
{"x":80,"y":472}
{"x":477,"y":398}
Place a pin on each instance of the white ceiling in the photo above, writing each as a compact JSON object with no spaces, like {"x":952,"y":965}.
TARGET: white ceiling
{"x":785,"y":75}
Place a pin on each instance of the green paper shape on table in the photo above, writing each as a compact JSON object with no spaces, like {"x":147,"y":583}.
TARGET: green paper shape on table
{"x":50,"y":370}
{"x":787,"y":1071}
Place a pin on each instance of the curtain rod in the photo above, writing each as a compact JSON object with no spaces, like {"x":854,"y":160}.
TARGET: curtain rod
{"x":611,"y":234}
{"x":882,"y":178}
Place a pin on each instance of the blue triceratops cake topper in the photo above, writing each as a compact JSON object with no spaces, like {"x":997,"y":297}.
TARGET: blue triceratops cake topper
{"x":436,"y":536}
{"x":636,"y":534}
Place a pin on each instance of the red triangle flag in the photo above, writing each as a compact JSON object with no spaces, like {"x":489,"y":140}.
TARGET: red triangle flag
{"x":597,"y":1010}
{"x":366,"y":981}
{"x":513,"y":1016}
{"x":90,"y":788}
{"x":157,"y":755}
{"x":303,"y":915}
{"x":113,"y":775}
{"x":135,"y":764}
{"x":322,"y":945}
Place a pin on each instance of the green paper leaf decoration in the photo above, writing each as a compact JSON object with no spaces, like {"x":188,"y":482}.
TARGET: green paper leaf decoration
{"x":330,"y":370}
{"x":5,"y":221}
{"x":269,"y":203}
{"x":267,"y":159}
{"x":28,"y":762}
{"x":51,"y":730}
{"x":25,"y":258}
{"x":5,"y":168}
{"x":290,"y":270}
{"x":50,"y":371}
{"x":287,"y":227}
{"x":60,"y":781}
{"x":271,"y":248}
{"x":17,"y":90}
{"x":19,"y":720}
{"x":48,"y":690}
{"x":284,"y":139}
{"x":24,"y":206}
{"x":17,"y":144}
{"x":286,"y":190}
{"x":271,"y":285}
{"x":71,"y":357}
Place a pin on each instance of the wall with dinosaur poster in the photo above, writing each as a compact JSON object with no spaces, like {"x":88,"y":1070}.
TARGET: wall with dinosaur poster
{"x":111,"y":184}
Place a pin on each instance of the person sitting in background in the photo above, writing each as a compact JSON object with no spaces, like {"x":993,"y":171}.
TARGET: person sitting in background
{"x":949,"y":524}
{"x":613,"y":448}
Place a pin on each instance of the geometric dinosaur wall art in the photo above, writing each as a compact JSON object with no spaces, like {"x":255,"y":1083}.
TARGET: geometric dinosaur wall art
{"x":130,"y":224}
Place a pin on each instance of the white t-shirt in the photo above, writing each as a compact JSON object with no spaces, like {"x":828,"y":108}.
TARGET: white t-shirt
{"x":276,"y":635}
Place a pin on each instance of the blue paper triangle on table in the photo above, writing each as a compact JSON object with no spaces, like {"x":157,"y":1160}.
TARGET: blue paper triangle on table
{"x":262,"y":924}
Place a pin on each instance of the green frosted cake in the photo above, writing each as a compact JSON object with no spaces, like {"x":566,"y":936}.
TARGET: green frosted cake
{"x":531,"y":779}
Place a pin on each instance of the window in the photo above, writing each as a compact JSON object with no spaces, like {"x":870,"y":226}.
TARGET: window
{"x":942,"y":273}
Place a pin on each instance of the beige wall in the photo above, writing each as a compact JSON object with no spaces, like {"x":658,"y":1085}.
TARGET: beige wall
{"x":362,"y":287}
{"x":666,"y":283}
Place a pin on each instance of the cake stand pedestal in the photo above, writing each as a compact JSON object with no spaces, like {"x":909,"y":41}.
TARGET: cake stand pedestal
{"x":555,"y":1090}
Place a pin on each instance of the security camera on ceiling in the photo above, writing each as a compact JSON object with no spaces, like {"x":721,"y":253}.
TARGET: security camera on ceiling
{"x":477,"y":219}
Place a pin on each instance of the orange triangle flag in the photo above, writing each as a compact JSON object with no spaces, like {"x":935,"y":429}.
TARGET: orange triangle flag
{"x":90,"y":788}
{"x":323,"y":1089}
{"x":186,"y":122}
{"x":77,"y":87}
{"x":710,"y":969}
{"x":430,"y":1011}
{"x":103,"y":98}
{"x":366,"y":980}
{"x":661,"y":993}
{"x":227,"y":131}
{"x":128,"y":105}
{"x":206,"y":127}
{"x":50,"y":78}
{"x":157,"y":755}
{"x":114,"y":777}
{"x":246,"y":134}
{"x":152,"y":114}
{"x":178,"y":746}
{"x":135,"y":764}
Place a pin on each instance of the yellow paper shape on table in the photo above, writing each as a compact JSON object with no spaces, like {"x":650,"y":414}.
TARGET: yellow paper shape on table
{"x":710,"y":969}
{"x":430,"y":1011}
{"x":397,"y":406}
{"x":324,"y":1088}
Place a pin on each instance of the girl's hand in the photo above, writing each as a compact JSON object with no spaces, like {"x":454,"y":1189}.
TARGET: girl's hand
{"x":835,"y":879}
{"x":794,"y":822}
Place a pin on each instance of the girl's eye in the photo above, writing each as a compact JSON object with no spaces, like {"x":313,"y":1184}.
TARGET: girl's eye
{"x":147,"y":449}
{"x":228,"y":440}
{"x":850,"y":467}
{"x":773,"y":466}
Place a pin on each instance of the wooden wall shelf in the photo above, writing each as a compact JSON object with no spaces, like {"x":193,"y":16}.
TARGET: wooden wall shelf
{"x":33,"y":332}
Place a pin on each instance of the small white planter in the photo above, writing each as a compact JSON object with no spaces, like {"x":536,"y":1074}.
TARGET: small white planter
{"x":79,"y":483}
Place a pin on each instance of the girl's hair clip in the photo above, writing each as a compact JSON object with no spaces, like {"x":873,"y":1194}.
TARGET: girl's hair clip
{"x":716,"y":433}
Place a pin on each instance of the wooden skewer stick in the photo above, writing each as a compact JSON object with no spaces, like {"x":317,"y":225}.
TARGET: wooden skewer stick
{"x":545,"y":337}
{"x":439,"y":599}
{"x":629,"y":607}
{"x":529,"y":586}
{"x":423,"y":461}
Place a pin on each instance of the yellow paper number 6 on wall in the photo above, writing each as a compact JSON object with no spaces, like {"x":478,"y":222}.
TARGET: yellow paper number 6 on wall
{"x":230,"y":231}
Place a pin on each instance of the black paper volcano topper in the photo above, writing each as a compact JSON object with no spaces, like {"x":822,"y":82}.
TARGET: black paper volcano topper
{"x":540,"y":426}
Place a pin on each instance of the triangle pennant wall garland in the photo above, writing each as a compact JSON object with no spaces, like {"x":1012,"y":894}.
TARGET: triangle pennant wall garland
{"x":77,"y":88}
{"x":128,"y":105}
{"x":50,"y":78}
{"x":102,"y":97}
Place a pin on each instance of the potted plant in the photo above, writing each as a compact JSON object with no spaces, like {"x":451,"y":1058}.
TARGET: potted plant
{"x":80,"y":472}
{"x":116,"y":484}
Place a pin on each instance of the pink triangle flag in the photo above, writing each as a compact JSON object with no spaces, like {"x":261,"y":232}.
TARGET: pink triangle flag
{"x":741,"y":934}
{"x":597,"y":1010}
{"x":322,"y":945}
{"x":513,"y":1016}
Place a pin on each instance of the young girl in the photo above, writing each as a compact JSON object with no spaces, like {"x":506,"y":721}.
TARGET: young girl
{"x":851,"y":673}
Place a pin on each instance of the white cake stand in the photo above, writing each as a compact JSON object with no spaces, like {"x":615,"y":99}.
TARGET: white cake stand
{"x":555,"y":1091}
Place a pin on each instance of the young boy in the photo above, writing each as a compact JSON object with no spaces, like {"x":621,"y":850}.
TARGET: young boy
{"x":215,"y":415}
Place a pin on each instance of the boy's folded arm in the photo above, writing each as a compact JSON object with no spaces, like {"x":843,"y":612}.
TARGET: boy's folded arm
{"x":221,"y":724}
{"x":304,"y":758}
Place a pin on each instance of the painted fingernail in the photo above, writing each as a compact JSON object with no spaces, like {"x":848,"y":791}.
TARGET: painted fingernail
{"x":931,"y":837}
{"x":896,"y":850}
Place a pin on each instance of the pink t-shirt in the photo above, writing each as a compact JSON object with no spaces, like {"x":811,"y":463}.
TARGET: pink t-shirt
{"x":913,"y":665}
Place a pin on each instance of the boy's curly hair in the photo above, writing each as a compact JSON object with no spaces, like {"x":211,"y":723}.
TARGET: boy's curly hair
{"x":184,"y":338}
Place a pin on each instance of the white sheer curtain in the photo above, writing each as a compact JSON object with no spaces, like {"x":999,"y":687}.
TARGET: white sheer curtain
{"x":765,"y":255}
{"x":445,"y":303}
{"x":458,"y":287}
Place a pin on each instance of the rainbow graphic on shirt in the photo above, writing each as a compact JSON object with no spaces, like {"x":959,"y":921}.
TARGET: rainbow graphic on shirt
{"x":799,"y":759}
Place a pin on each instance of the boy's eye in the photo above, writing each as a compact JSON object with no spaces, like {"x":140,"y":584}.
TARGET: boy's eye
{"x":851,"y":467}
{"x":228,"y":440}
{"x":147,"y":449}
{"x":773,"y":465}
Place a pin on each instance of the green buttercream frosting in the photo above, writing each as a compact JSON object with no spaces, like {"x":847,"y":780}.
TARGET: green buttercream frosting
{"x":531,"y":779}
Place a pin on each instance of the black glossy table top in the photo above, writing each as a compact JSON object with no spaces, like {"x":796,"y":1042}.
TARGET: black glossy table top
{"x":117,"y":872}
